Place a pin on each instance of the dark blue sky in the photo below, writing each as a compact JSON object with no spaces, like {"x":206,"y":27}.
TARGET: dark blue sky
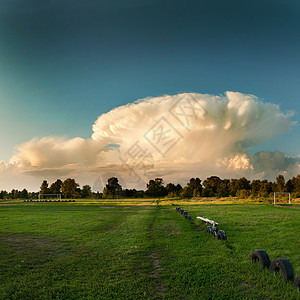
{"x":63,"y":63}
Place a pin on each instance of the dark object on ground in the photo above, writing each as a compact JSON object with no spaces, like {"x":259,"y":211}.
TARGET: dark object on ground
{"x":189,"y":217}
{"x":261,"y":256}
{"x":214,"y":231}
{"x":284,"y":266}
{"x":208,"y":229}
{"x":296,"y":284}
{"x":221,"y":235}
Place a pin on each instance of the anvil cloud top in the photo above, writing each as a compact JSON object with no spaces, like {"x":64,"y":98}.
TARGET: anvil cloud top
{"x":64,"y":63}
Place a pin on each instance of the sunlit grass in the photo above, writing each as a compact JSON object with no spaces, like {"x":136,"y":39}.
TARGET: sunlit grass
{"x":90,"y":251}
{"x":161,"y":201}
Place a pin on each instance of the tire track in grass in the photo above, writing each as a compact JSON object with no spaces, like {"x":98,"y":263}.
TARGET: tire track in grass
{"x":160,"y":290}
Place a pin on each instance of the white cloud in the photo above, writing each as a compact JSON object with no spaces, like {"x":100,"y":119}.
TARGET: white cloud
{"x":236,"y":162}
{"x":175,"y":137}
{"x":55,"y":152}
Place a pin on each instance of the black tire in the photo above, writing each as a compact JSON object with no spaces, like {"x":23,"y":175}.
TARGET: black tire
{"x":296,"y":284}
{"x":181,"y":211}
{"x":221,"y":235}
{"x":208,"y":229}
{"x":284,"y":266}
{"x":261,"y":256}
{"x":214,"y":231}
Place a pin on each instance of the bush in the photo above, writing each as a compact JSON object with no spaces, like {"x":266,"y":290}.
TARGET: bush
{"x":244,"y":194}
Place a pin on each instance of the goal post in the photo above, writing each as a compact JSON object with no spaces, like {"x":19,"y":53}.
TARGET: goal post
{"x":52,"y":196}
{"x":282,"y":194}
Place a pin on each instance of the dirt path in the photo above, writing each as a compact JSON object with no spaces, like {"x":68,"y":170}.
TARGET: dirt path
{"x":156,"y":263}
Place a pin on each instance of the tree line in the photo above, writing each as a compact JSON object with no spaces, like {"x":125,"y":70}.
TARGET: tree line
{"x":210,"y":187}
{"x":68,"y":188}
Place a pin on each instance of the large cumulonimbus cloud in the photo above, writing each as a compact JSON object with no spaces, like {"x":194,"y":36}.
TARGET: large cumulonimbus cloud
{"x":175,"y":137}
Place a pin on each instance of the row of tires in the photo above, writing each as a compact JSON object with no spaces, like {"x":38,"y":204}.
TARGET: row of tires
{"x":184,"y":213}
{"x":279,"y":265}
{"x":218,"y":234}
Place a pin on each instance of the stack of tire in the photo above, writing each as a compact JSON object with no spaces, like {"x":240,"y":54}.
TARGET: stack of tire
{"x":184,"y":213}
{"x":282,"y":265}
{"x":218,"y":234}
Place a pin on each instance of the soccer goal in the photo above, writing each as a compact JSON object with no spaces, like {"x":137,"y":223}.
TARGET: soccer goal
{"x":43,"y":197}
{"x":282,"y":193}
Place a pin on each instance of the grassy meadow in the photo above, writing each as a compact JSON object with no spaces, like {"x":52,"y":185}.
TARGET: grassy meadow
{"x":121,"y":250}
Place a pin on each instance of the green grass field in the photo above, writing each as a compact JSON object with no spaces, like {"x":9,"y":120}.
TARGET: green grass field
{"x":91,"y":251}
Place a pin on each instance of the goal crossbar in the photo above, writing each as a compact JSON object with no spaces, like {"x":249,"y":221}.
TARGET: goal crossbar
{"x":281,"y":193}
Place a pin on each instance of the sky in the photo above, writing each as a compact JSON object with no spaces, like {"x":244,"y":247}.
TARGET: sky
{"x":64,"y":64}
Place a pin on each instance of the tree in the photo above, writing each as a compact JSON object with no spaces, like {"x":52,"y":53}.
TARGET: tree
{"x":97,"y":195}
{"x":296,"y":183}
{"x":173,"y":190}
{"x":132,"y":193}
{"x":140,"y":194}
{"x":69,"y":188}
{"x":178,"y":188}
{"x":33,"y":195}
{"x":195,"y":187}
{"x":243,"y":184}
{"x":289,"y":186}
{"x":192,"y":189}
{"x":3,"y":194}
{"x":112,"y":189}
{"x":244,"y":194}
{"x":55,"y":187}
{"x":265,"y":189}
{"x":14,"y":194}
{"x":211,"y":186}
{"x":86,"y":191}
{"x":44,"y":188}
{"x":296,"y":186}
{"x":255,"y":187}
{"x":170,"y":187}
{"x":233,"y":187}
{"x":237,"y":185}
{"x":223,"y":188}
{"x":186,"y":192}
{"x":155,"y":188}
{"x":24,"y":194}
{"x":280,"y":183}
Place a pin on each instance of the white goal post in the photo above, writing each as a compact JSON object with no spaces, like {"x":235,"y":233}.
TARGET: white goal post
{"x":54,"y":196}
{"x":282,"y":193}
